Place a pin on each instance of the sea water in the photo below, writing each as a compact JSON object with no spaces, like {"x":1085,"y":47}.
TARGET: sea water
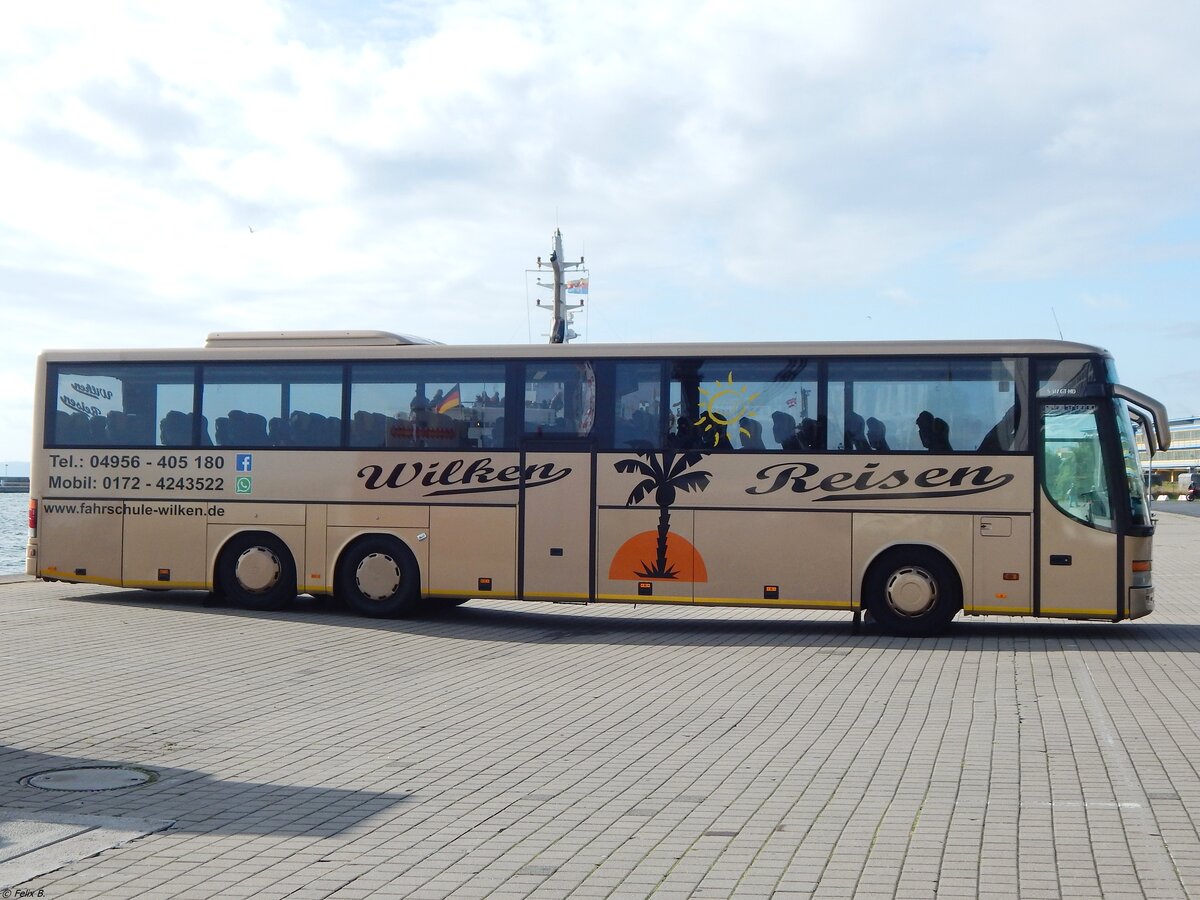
{"x":14,"y":532}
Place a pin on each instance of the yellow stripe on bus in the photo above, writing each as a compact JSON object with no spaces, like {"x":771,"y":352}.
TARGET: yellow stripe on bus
{"x":726,"y":601}
{"x":80,"y":579}
{"x":790,"y":604}
{"x":642,"y":598}
{"x":174,"y":585}
{"x":999,"y":610}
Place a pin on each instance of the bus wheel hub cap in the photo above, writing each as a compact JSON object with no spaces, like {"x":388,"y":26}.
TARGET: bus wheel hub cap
{"x":378,"y":577}
{"x":258,"y":570}
{"x":911,"y":591}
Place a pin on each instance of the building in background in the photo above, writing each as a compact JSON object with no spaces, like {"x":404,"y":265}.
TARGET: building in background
{"x":1182,"y":462}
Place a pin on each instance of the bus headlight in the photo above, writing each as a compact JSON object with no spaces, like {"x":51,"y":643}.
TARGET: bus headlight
{"x":1141,"y":573}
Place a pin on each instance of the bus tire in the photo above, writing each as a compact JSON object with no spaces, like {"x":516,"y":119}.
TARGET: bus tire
{"x":912,"y":591}
{"x":256,"y":571}
{"x":379,"y":577}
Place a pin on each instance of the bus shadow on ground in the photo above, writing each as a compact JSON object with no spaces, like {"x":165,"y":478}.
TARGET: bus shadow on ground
{"x":196,"y":801}
{"x":545,"y":623}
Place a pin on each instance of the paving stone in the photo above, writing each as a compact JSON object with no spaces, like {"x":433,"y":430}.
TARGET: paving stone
{"x":528,"y":750}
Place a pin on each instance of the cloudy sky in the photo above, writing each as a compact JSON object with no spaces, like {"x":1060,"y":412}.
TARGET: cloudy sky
{"x":731,"y":171}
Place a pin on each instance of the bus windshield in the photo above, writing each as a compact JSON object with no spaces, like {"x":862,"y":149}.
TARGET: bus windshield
{"x":1139,"y":508}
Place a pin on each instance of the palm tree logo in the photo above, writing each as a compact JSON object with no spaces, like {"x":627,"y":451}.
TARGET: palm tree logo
{"x":666,"y":474}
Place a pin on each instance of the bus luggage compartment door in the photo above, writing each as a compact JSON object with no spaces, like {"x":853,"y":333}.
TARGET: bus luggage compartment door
{"x":557,"y":517}
{"x":165,"y":551}
{"x":1003,"y":578}
{"x":81,"y":540}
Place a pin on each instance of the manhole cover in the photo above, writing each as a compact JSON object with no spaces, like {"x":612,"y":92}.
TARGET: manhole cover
{"x":90,"y":778}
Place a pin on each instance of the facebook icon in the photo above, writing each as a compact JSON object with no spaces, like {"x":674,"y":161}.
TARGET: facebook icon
{"x":245,"y":462}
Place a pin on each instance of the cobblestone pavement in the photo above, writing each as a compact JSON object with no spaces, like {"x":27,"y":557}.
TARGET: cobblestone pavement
{"x":510,"y":750}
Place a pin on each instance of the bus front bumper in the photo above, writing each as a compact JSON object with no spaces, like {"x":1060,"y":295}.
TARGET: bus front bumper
{"x":1141,"y":602}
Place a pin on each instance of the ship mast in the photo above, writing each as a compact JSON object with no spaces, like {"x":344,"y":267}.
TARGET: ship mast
{"x":561,"y":310}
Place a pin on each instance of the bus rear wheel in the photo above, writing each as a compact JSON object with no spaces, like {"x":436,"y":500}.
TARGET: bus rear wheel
{"x":256,"y":571}
{"x":378,"y":577}
{"x":912,"y":591}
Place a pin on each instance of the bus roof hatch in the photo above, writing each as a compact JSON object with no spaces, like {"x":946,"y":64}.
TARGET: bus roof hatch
{"x":311,"y":339}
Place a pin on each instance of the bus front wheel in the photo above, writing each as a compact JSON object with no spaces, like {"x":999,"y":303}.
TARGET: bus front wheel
{"x":256,"y":571}
{"x":378,"y":577}
{"x":912,"y":591}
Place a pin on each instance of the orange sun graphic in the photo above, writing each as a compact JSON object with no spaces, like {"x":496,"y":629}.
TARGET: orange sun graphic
{"x":636,"y":555}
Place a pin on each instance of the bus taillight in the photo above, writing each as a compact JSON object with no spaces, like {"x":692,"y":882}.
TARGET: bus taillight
{"x":32,"y":515}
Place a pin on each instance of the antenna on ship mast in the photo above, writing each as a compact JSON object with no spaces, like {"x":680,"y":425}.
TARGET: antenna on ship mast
{"x":563,"y":312}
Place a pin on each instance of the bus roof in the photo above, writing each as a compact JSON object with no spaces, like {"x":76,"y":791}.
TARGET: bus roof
{"x":380,"y":344}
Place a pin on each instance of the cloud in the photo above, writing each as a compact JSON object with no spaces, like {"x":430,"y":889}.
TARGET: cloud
{"x":1053,"y":239}
{"x":402,"y":164}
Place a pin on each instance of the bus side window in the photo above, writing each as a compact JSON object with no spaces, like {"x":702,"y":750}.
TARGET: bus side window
{"x":934,"y":433}
{"x":636,"y":408}
{"x":751,"y":432}
{"x":270,"y":404}
{"x":560,"y":399}
{"x":497,"y":436}
{"x":1002,"y":435}
{"x":737,"y":404}
{"x":175,"y":430}
{"x":810,"y":435}
{"x":856,"y":433}
{"x":877,"y":435}
{"x":926,"y":404}
{"x":118,"y":404}
{"x":436,"y":405}
{"x":368,"y":429}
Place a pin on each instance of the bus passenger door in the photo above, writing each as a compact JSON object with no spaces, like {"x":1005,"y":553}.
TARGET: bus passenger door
{"x":1077,"y":539}
{"x":557,"y":520}
{"x":1078,"y":567}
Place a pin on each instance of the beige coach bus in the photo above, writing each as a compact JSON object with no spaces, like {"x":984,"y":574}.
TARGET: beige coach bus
{"x":908,"y":480}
